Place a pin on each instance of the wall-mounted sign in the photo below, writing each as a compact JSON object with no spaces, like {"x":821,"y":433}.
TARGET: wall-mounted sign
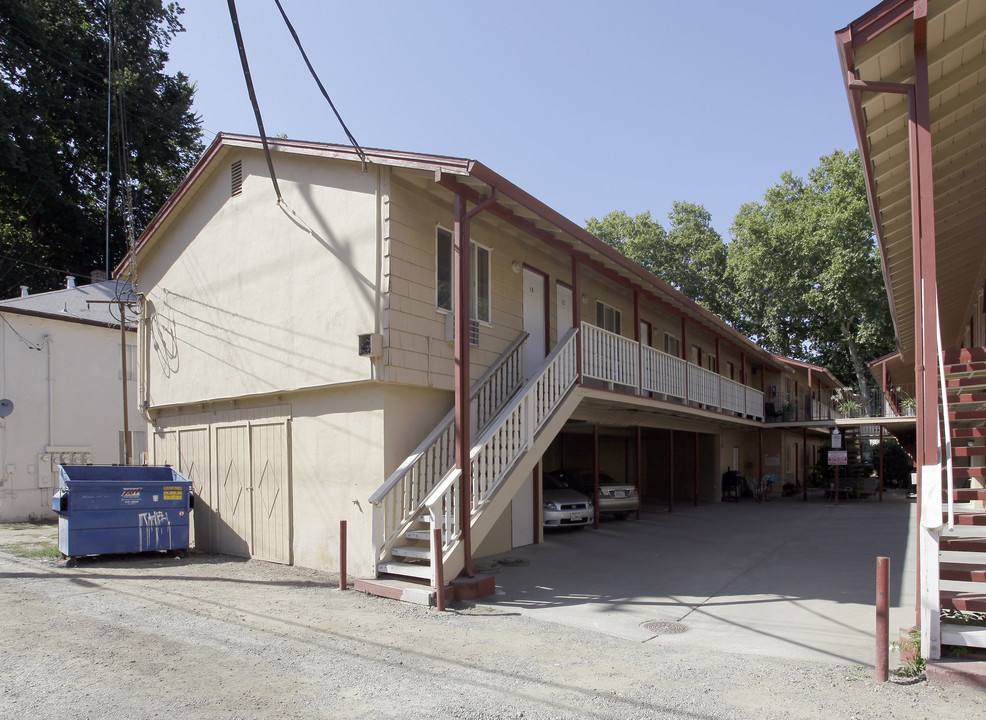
{"x":838,"y":457}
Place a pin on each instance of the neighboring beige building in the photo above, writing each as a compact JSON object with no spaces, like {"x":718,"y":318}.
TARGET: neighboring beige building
{"x":61,"y":371}
{"x":294,"y":354}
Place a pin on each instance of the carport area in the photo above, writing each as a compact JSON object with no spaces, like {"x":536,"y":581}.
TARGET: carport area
{"x":784,"y":578}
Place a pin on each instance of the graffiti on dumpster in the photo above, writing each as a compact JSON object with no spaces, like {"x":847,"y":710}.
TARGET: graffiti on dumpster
{"x":154,"y":527}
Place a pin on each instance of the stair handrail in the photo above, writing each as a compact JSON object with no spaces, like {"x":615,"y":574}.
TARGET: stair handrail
{"x":437,"y":451}
{"x":443,"y":500}
{"x":949,"y":479}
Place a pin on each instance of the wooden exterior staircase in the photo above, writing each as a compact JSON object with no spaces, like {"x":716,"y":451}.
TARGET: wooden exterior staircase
{"x":512,"y":427}
{"x":962,"y":541}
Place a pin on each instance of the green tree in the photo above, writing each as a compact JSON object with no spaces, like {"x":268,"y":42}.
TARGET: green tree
{"x":697,"y":264}
{"x":54,"y":58}
{"x":806,"y":271}
{"x":690,"y":256}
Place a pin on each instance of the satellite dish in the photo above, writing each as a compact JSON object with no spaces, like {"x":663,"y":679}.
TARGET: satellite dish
{"x":6,"y":407}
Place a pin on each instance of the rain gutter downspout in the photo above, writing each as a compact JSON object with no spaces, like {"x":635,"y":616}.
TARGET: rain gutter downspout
{"x":51,"y":390}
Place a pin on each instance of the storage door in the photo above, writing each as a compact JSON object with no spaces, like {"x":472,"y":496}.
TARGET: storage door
{"x":269,"y":471}
{"x":233,"y":507}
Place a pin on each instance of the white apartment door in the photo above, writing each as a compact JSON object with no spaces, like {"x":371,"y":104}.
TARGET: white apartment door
{"x":534,"y":321}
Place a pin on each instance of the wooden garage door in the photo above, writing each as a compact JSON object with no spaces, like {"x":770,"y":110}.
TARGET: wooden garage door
{"x":239,"y":468}
{"x":252,"y":482}
{"x":269,"y":470}
{"x":234,"y":513}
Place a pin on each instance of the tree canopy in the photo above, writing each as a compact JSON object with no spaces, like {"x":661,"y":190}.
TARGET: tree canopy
{"x":54,"y":61}
{"x":800,"y":276}
{"x":690,"y":255}
{"x":806,"y":270}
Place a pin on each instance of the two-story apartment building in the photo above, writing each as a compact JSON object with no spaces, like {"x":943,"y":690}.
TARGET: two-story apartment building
{"x":305,"y":360}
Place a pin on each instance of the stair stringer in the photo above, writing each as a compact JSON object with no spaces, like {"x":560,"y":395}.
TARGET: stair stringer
{"x":484,"y":518}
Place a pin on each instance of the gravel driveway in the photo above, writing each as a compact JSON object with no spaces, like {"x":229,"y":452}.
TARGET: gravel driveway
{"x":148,"y":636}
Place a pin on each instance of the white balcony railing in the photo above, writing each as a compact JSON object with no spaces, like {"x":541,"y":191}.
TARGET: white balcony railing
{"x":612,"y":358}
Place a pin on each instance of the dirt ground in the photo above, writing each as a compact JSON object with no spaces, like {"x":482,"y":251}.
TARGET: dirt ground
{"x":154,"y":636}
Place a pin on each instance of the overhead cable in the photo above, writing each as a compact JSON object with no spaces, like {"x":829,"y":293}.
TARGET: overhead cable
{"x":253,"y":95}
{"x":359,"y":150}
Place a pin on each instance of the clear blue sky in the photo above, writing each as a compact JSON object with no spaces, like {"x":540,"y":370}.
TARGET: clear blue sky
{"x":589,"y":106}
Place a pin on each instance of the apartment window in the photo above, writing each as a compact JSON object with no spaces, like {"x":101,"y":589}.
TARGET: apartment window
{"x":712,"y":362}
{"x":479,"y":270}
{"x":730,"y":370}
{"x":608,"y":317}
{"x":672,"y":345}
{"x":444,"y":264}
{"x":695,"y":355}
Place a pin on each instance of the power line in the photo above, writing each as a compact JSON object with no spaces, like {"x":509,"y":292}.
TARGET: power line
{"x":297,"y":40}
{"x":252,"y":93}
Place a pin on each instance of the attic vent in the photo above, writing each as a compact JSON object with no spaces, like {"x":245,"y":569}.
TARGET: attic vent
{"x":236,"y":178}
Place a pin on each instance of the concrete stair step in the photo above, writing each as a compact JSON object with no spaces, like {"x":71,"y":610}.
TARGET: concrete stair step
{"x":968,"y":368}
{"x":962,"y":544}
{"x":972,"y":381}
{"x":971,"y":451}
{"x":972,"y":636}
{"x":973,"y":432}
{"x":962,"y":573}
{"x":964,"y":601}
{"x":412,"y":551}
{"x":969,"y":472}
{"x":968,"y":494}
{"x":405,"y":569}
{"x":964,"y":355}
{"x":970,"y":518}
{"x":960,"y":415}
{"x":966,"y":398}
{"x":419,"y":593}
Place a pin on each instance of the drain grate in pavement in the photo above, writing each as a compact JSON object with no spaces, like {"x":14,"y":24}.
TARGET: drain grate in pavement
{"x":663,"y":627}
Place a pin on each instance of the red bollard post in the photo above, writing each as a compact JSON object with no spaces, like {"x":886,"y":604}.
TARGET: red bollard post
{"x":439,"y":571}
{"x":343,"y":581}
{"x":882,"y":619}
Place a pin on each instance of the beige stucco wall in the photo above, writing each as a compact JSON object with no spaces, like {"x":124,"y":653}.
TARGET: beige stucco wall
{"x":247,"y":297}
{"x":83,"y":410}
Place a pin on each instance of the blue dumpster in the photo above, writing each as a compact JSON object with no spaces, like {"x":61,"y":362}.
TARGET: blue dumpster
{"x":121,"y":509}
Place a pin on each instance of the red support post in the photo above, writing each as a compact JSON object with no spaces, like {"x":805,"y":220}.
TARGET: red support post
{"x":595,"y":476}
{"x":640,"y":471}
{"x":343,"y":552}
{"x":671,"y":473}
{"x":463,"y":440}
{"x":439,"y":570}
{"x":696,"y":469}
{"x":882,"y":619}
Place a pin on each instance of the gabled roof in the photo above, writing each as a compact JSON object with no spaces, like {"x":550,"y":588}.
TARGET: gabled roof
{"x":478,"y":185}
{"x":809,"y":366}
{"x":87,"y":304}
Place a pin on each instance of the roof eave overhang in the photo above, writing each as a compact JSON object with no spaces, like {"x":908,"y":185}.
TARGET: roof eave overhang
{"x":855,"y":35}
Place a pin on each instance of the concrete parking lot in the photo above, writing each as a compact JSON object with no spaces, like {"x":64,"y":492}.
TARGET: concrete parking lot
{"x":785,"y":578}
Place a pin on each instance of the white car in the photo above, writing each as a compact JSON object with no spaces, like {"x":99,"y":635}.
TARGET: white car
{"x":564,"y":507}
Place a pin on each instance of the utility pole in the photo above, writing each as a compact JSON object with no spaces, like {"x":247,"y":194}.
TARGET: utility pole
{"x":123,"y":305}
